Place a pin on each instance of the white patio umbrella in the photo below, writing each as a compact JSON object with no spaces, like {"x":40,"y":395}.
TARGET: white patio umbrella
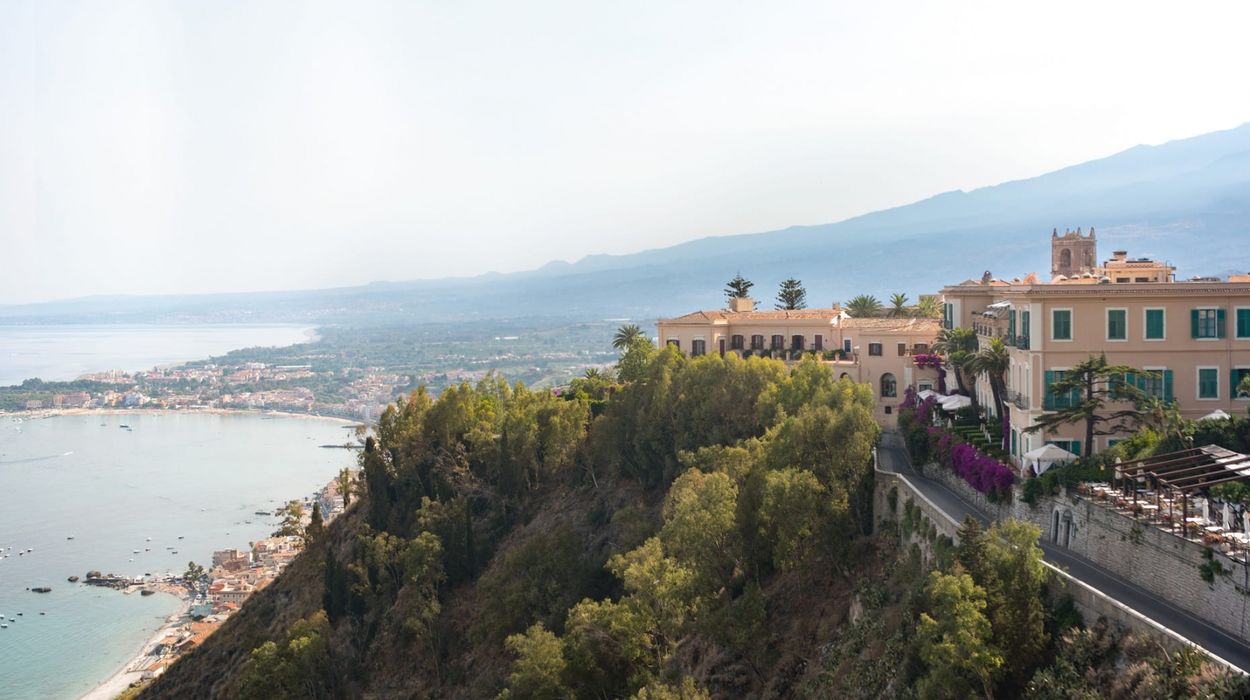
{"x":1217,"y":414}
{"x":1047,"y":456}
{"x":927,"y":393}
{"x":955,"y":402}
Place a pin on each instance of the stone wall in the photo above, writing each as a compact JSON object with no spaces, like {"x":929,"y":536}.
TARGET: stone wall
{"x":1149,"y":557}
{"x":1099,"y":534}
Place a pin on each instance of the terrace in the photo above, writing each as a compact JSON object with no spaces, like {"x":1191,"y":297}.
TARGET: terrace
{"x":1173,"y":492}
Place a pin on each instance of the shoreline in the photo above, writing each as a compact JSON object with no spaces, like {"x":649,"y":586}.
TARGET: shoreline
{"x":122,"y":678}
{"x":57,"y":412}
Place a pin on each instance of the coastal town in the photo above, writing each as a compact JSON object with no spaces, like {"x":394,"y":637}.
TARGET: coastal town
{"x":211,"y":594}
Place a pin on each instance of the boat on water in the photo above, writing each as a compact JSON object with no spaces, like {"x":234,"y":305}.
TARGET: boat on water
{"x":147,"y":591}
{"x":70,"y":537}
{"x":42,"y":589}
{"x":123,"y":425}
{"x":72,"y":579}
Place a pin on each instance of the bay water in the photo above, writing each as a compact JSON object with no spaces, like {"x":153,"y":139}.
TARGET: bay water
{"x":64,"y":352}
{"x":191,"y":482}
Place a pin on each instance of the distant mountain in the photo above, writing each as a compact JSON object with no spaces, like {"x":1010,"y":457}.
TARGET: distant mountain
{"x":1185,"y":201}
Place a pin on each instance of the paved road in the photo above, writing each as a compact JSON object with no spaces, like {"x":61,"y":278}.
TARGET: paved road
{"x":893,"y":458}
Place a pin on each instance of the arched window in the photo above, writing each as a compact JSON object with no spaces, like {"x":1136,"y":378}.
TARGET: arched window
{"x":889,"y":387}
{"x":845,"y":376}
{"x":1065,"y":259}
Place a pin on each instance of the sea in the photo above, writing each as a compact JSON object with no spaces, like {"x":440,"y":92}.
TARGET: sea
{"x":65,"y":352}
{"x":82,"y":492}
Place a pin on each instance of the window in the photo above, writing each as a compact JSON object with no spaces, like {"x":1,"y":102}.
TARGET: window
{"x":1061,"y":324}
{"x":1238,"y":374}
{"x":1011,"y":325}
{"x":924,"y":386}
{"x":1154,"y":324}
{"x":1073,"y":446}
{"x":1208,"y":382}
{"x":1243,"y":323}
{"x":1117,"y":324}
{"x":1206,"y":324}
{"x":1056,"y":403}
{"x":920,"y":348}
{"x":675,"y":343}
{"x":902,"y":349}
{"x":1015,"y":452}
{"x":948,"y":315}
{"x":757,"y":342}
{"x":846,"y":345}
{"x":779,"y":342}
{"x":698,"y":346}
{"x":1156,"y":382}
{"x":874,"y":349}
{"x":889,"y":387}
{"x":796,"y":342}
{"x":735,"y":343}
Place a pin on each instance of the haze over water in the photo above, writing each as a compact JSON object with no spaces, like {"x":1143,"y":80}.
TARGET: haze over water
{"x":64,"y":352}
{"x":197,"y":475}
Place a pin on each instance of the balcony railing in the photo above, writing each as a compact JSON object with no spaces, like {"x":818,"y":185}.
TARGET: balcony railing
{"x":1022,"y":342}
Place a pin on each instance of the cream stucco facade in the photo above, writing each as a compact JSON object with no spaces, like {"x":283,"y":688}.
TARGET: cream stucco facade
{"x":1192,"y":336}
{"x":876,"y":351}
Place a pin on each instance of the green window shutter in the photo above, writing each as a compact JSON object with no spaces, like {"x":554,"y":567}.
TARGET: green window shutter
{"x":1243,"y":323}
{"x":1167,"y":385}
{"x":1193,"y":323}
{"x":1154,"y":324}
{"x":1024,"y":323}
{"x":1208,"y":383}
{"x":1048,"y":399}
{"x":1219,"y":323}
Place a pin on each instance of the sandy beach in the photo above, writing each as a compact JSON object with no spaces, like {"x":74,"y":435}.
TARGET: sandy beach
{"x":123,"y":676}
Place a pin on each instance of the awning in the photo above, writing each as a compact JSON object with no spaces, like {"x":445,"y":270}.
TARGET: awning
{"x":1047,"y":456}
{"x":954,"y":402}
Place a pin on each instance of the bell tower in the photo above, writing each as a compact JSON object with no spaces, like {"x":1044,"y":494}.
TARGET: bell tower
{"x":1073,"y":253}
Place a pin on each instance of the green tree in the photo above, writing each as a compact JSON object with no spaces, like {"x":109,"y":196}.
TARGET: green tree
{"x":539,"y":666}
{"x":628,"y":336}
{"x":292,"y":525}
{"x":954,"y":637}
{"x":864,"y":306}
{"x":958,"y":345}
{"x":792,"y":507}
{"x":898,"y":305}
{"x":992,"y":362}
{"x":1091,"y":384}
{"x":608,"y":647}
{"x":738,"y":288}
{"x":791,"y":295}
{"x":344,"y":481}
{"x":316,"y":526}
{"x":699,"y":527}
{"x":423,"y":574}
{"x":194,"y":575}
{"x":686,"y":690}
{"x":635,"y":360}
{"x":1243,"y":387}
{"x":1016,"y":610}
{"x":293,"y":668}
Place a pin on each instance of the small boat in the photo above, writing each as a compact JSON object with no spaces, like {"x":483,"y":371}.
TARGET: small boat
{"x":42,"y":589}
{"x":149,"y":539}
{"x":43,"y":613}
{"x":72,"y":579}
{"x":3,"y":627}
{"x":70,"y":537}
{"x":123,"y":425}
{"x":179,"y":536}
{"x":174,"y":552}
{"x":135,"y":552}
{"x":147,"y":591}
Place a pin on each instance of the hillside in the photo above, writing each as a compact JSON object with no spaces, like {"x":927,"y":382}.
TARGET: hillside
{"x":1186,"y":201}
{"x":704,"y":528}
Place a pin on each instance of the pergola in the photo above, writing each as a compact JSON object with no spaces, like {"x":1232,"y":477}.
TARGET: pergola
{"x":1186,"y":471}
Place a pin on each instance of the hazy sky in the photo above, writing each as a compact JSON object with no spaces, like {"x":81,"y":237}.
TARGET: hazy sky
{"x":161,"y":147}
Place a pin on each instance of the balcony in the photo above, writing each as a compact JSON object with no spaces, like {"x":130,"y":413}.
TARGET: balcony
{"x":1019,"y":400}
{"x":1022,"y":342}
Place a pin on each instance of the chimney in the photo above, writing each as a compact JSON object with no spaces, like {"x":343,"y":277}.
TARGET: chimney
{"x":1120,"y":255}
{"x":741,"y":304}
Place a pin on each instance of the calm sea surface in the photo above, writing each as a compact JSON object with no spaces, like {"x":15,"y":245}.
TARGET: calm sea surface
{"x":58,"y":353}
{"x":195,"y":475}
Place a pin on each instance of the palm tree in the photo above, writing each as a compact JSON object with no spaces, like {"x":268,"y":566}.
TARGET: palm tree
{"x":627,"y":336}
{"x":928,"y":307}
{"x":864,"y":306}
{"x":898,"y":305}
{"x":993,"y":361}
{"x":957,"y":345}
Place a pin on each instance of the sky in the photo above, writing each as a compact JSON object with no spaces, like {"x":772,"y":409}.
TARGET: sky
{"x":184,"y":147}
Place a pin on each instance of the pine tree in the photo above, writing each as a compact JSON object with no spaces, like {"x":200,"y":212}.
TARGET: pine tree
{"x":792,"y":296}
{"x":738,"y":288}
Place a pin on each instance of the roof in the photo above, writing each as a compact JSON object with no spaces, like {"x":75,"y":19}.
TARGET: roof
{"x":1192,"y":469}
{"x":892,"y":324}
{"x":799,"y":314}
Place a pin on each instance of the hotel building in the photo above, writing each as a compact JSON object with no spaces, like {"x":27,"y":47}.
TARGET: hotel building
{"x":877,"y":351}
{"x":1192,"y":336}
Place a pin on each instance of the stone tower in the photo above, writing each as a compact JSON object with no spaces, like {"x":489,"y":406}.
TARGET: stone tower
{"x":1072,"y":254}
